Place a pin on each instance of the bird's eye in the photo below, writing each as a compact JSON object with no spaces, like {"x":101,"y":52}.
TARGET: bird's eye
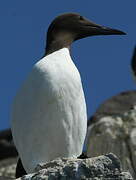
{"x":81,"y":18}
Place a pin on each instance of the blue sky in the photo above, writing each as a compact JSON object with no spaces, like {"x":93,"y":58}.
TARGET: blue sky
{"x":103,"y":61}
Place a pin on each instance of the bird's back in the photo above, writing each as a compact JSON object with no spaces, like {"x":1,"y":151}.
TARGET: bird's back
{"x":49,"y":112}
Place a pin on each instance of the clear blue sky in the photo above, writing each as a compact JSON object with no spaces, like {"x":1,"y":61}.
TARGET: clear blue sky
{"x":103,"y":61}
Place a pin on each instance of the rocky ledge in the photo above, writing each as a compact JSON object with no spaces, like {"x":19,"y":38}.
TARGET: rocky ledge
{"x":106,"y":167}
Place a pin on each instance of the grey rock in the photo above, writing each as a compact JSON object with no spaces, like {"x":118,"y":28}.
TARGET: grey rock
{"x":97,"y":168}
{"x":7,"y":167}
{"x":5,"y":178}
{"x":114,"y":133}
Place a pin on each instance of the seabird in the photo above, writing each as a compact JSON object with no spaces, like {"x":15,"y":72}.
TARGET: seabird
{"x":49,"y":118}
{"x":133,"y":64}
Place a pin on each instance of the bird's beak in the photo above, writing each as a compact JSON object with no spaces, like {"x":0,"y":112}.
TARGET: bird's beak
{"x":88,"y":28}
{"x":102,"y":30}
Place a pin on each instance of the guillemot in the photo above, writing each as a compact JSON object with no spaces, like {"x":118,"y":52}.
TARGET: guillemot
{"x":49,"y":118}
{"x":133,"y":64}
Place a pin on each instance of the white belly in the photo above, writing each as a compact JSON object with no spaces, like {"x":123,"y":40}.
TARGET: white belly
{"x":49,"y":112}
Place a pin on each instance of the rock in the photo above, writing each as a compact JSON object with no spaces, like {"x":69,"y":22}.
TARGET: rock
{"x":5,"y":178}
{"x":8,"y":167}
{"x":102,"y":167}
{"x":114,"y":131}
{"x":8,"y":155}
{"x":116,"y":105}
{"x":7,"y":148}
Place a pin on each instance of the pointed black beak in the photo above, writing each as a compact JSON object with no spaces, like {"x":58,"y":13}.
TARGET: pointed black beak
{"x":102,"y":30}
{"x":90,"y":29}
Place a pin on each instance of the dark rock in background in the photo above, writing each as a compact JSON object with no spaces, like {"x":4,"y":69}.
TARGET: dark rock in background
{"x":116,"y":105}
{"x":8,"y":155}
{"x":7,"y":148}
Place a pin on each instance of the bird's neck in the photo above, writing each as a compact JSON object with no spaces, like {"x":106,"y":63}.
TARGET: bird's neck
{"x":62,"y":40}
{"x":55,"y":46}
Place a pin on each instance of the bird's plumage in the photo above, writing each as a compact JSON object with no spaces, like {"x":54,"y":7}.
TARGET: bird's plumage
{"x":49,"y":112}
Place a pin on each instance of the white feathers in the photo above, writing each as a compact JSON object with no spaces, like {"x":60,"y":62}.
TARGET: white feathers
{"x":49,"y":112}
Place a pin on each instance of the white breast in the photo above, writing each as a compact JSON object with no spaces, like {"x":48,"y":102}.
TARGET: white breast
{"x":49,"y":112}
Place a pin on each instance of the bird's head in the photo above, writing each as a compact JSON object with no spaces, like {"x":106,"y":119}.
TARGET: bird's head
{"x":69,"y":27}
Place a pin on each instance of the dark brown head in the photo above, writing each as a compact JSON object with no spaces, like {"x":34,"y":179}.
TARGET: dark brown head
{"x":69,"y":27}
